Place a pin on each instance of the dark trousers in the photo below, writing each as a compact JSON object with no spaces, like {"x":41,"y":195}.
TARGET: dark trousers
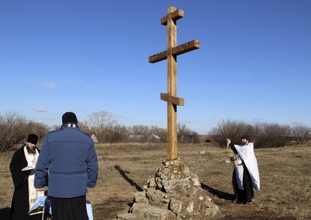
{"x":69,"y":208}
{"x":246,"y":195}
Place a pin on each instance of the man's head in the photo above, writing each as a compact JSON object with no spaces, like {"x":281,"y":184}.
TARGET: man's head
{"x":31,"y":142}
{"x":245,"y":139}
{"x":69,"y":118}
{"x":32,"y":138}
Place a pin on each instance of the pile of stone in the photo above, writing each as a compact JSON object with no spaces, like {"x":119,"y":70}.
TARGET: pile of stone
{"x":174,"y":193}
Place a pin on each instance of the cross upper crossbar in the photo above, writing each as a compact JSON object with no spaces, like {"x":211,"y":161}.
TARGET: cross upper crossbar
{"x":175,"y":51}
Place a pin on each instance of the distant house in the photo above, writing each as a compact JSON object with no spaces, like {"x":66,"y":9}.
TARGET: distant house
{"x":94,"y":138}
{"x":156,"y":136}
{"x":136,"y":137}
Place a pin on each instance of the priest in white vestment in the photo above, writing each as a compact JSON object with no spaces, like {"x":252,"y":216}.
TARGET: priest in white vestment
{"x":245,"y":174}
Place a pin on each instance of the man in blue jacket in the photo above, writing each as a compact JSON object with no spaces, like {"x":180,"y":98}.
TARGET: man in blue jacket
{"x":68,"y":155}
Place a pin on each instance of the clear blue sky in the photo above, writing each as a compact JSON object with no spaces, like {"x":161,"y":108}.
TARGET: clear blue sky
{"x":254,"y":63}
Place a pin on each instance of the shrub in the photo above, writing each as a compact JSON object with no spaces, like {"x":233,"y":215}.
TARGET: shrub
{"x":14,"y":130}
{"x":272,"y":135}
{"x":230,"y":129}
{"x":300,"y":134}
{"x":263,"y":134}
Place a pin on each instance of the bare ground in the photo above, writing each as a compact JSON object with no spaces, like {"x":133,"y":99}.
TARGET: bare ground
{"x":125,"y":169}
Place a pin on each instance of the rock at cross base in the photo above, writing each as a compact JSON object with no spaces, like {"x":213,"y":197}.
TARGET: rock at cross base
{"x":174,"y":193}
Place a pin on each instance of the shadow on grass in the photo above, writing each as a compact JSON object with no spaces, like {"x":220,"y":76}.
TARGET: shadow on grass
{"x":123,"y":173}
{"x":5,"y":213}
{"x":218,"y":193}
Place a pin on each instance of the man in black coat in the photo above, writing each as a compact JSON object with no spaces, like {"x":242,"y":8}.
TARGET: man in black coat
{"x":22,"y":169}
{"x":245,"y":174}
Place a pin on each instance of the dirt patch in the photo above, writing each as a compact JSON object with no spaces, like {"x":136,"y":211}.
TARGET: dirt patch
{"x":109,"y":209}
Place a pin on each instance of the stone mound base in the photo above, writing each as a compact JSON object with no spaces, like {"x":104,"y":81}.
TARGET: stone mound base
{"x":174,"y":193}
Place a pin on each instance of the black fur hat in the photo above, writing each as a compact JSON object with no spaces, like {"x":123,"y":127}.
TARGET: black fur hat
{"x":69,"y":117}
{"x":247,"y":137}
{"x":32,"y":138}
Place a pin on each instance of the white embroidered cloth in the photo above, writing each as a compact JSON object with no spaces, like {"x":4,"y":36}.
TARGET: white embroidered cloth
{"x":31,"y":162}
{"x":246,"y":152}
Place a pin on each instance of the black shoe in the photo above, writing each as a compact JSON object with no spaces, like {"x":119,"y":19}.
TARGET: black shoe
{"x":237,"y":201}
{"x":234,"y":201}
{"x":247,"y":202}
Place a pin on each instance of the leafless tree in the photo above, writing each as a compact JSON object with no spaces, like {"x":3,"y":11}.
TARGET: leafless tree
{"x":14,"y":129}
{"x":186,"y":135}
{"x":230,"y":129}
{"x":103,"y":126}
{"x":119,"y":134}
{"x":272,"y":135}
{"x":263,"y":134}
{"x":39,"y":129}
{"x":84,"y":126}
{"x":157,"y":134}
{"x":301,"y":134}
{"x":139,"y":133}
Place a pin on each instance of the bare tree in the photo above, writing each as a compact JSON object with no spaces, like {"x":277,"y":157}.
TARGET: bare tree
{"x":14,"y":129}
{"x":301,"y":134}
{"x":186,"y":135}
{"x":84,"y":126}
{"x":119,"y":133}
{"x":272,"y":135}
{"x":157,"y":134}
{"x":139,"y":133}
{"x":39,"y":129}
{"x":230,"y":129}
{"x":102,"y":125}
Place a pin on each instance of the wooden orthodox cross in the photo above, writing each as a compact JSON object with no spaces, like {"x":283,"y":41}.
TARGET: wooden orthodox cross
{"x":171,"y":54}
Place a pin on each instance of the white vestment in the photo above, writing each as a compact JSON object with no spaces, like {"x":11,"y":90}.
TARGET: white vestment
{"x":246,"y":153}
{"x":31,"y":164}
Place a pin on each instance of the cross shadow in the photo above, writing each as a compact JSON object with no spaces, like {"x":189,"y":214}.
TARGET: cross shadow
{"x":123,"y":173}
{"x":218,"y":193}
{"x":5,"y":213}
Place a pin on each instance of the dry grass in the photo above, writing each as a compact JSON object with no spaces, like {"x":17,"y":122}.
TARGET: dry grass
{"x":124,"y":169}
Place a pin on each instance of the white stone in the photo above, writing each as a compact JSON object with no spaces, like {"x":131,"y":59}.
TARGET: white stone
{"x":140,"y":197}
{"x":175,"y":205}
{"x":190,"y":207}
{"x":196,"y":182}
{"x":152,"y":182}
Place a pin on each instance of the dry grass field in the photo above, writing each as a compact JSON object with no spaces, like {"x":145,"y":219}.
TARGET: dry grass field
{"x":124,"y":169}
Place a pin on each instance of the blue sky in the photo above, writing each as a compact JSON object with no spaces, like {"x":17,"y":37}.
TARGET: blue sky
{"x":254,"y":63}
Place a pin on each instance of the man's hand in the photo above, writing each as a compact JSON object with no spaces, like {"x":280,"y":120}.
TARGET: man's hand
{"x":235,"y":163}
{"x":42,"y":189}
{"x":228,"y":142}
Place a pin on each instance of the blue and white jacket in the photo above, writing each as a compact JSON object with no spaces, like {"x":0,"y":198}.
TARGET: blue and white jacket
{"x":68,"y":156}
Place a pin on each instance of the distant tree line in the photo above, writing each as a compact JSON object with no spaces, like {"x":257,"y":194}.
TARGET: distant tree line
{"x":264,"y":135}
{"x":14,"y":129}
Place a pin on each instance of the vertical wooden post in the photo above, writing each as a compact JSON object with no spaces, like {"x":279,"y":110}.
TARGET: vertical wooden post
{"x":171,"y":89}
{"x":171,"y":54}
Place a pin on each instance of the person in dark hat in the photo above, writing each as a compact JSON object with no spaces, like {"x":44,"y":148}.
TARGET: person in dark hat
{"x":245,"y":173}
{"x":73,"y":170}
{"x":22,"y":169}
{"x":69,"y":117}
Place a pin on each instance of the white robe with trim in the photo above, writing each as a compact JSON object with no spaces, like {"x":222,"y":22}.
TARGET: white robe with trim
{"x":31,"y":163}
{"x":246,"y":152}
